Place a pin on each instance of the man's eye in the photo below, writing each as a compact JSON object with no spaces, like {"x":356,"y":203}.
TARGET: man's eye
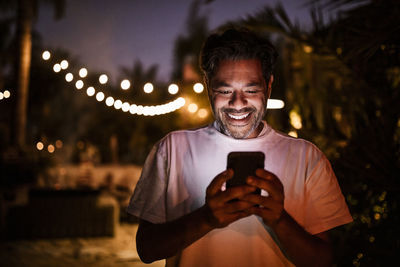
{"x":223,"y":92}
{"x":252,"y":91}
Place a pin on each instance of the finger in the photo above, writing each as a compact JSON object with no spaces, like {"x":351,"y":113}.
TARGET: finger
{"x":267,"y":202}
{"x":235,"y":192}
{"x":216,"y":184}
{"x":269,"y":176}
{"x":237,"y":206}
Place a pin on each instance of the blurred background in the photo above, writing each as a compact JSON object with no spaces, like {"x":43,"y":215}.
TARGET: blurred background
{"x":88,"y":87}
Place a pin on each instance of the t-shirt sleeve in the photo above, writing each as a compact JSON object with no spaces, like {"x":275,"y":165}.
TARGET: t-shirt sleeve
{"x":148,"y":199}
{"x":326,"y":207}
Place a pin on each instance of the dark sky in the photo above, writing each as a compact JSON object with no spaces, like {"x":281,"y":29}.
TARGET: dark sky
{"x":105,"y":35}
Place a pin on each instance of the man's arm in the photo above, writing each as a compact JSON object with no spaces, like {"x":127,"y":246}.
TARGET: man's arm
{"x":303,"y":248}
{"x":161,"y":241}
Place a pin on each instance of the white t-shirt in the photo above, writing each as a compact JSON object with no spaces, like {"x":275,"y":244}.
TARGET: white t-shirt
{"x":181,"y":166}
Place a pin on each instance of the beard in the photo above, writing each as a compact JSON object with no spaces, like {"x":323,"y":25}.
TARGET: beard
{"x":239,"y":130}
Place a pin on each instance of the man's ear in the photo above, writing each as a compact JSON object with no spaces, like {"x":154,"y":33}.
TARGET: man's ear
{"x":269,"y":87}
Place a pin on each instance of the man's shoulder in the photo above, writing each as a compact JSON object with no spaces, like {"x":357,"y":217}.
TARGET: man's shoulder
{"x":185,"y":134}
{"x":295,"y":142}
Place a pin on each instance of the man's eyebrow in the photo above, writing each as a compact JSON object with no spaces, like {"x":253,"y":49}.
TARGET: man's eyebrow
{"x":250,"y":84}
{"x":217,"y":84}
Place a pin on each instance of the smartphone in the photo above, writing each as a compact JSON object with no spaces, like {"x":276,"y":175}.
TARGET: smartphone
{"x":244,"y":164}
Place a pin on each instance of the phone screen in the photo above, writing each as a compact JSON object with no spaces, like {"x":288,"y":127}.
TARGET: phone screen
{"x":244,"y":164}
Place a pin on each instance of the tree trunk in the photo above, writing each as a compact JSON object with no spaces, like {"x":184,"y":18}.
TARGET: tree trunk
{"x":24,"y":37}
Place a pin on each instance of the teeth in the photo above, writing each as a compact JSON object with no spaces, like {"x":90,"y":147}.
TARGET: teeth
{"x":238,"y":117}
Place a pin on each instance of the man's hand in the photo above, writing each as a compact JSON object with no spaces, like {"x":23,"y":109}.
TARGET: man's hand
{"x":269,"y":208}
{"x":225,"y":207}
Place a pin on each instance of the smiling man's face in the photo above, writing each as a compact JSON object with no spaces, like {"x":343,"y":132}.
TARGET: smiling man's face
{"x":238,"y":95}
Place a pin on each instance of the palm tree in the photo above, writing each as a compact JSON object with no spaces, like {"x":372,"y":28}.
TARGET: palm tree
{"x":26,"y":11}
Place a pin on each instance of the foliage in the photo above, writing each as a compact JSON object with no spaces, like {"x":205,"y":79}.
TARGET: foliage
{"x":343,"y":81}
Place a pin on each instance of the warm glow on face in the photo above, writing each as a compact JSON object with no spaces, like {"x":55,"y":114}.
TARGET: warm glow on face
{"x":173,"y":89}
{"x":125,"y":84}
{"x":83,"y":72}
{"x":64,"y":64}
{"x":198,"y":88}
{"x":275,"y":104}
{"x":90,"y":91}
{"x":103,"y":79}
{"x":100,"y":96}
{"x":110,"y":101}
{"x":50,"y":148}
{"x":79,"y":84}
{"x":69,"y":77}
{"x":202,"y":113}
{"x":295,"y":120}
{"x":117,"y":104}
{"x":57,"y":67}
{"x":148,"y":88}
{"x":39,"y":146}
{"x":46,"y":55}
{"x":192,"y":108}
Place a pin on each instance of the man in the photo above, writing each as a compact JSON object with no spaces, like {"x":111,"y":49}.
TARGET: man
{"x":187,"y":216}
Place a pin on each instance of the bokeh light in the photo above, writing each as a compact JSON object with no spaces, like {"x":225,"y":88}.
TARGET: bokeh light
{"x":39,"y":146}
{"x":6,"y":94}
{"x":173,"y":89}
{"x":57,"y":67}
{"x":275,"y":104}
{"x":50,"y":148}
{"x":83,"y":72}
{"x":148,"y":88}
{"x":100,"y":96}
{"x":90,"y":91}
{"x":202,"y":113}
{"x":103,"y":79}
{"x":79,"y":84}
{"x":198,"y":88}
{"x":64,"y":64}
{"x":192,"y":108}
{"x":69,"y":77}
{"x":125,"y":84}
{"x":110,"y":101}
{"x":118,"y":104}
{"x":46,"y":55}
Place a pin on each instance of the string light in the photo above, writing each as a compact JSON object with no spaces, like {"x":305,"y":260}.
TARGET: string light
{"x":57,"y":67}
{"x":90,"y":91}
{"x":46,"y":55}
{"x":5,"y":94}
{"x":148,"y":88}
{"x":173,"y":89}
{"x":79,"y":84}
{"x":192,"y":108}
{"x":125,"y":84}
{"x":64,"y":64}
{"x":83,"y":72}
{"x":202,"y":113}
{"x":100,"y":96}
{"x":50,"y":148}
{"x":110,"y":101}
{"x":198,"y":88}
{"x":39,"y":146}
{"x":103,"y":79}
{"x":69,"y":77}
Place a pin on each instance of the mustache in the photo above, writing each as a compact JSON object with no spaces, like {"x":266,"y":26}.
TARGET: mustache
{"x":242,"y":110}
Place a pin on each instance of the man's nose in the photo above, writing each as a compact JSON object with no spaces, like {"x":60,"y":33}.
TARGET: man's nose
{"x":238,"y":100}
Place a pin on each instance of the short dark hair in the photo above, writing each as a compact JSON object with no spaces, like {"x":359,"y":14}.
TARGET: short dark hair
{"x":236,"y":44}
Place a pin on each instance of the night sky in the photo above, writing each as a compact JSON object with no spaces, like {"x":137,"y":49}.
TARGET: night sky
{"x":105,"y":35}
